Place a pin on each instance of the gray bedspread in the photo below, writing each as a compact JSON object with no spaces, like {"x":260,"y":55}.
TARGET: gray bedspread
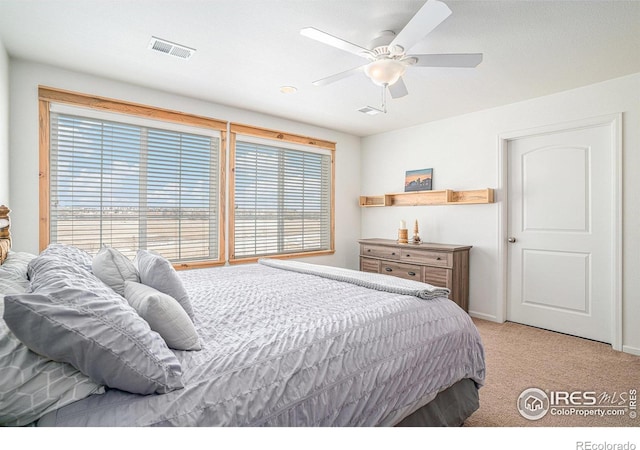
{"x":376,"y":281}
{"x":284,"y":348}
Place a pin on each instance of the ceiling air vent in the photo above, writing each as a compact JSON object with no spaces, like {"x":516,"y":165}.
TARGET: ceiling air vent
{"x":170,"y":48}
{"x":370,"y":110}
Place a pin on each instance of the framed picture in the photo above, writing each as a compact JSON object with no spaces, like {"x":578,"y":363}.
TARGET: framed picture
{"x":418,"y":180}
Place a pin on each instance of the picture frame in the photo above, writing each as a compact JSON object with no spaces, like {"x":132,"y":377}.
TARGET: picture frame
{"x":418,"y":180}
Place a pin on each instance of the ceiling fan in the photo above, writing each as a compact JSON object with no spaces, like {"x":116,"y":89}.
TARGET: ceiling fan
{"x":388,"y":59}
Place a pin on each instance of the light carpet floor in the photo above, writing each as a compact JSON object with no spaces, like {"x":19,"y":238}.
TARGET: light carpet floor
{"x":519,"y":357}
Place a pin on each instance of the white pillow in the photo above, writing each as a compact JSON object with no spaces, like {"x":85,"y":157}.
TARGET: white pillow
{"x":113,"y":268}
{"x":164,"y":315}
{"x":158,"y":273}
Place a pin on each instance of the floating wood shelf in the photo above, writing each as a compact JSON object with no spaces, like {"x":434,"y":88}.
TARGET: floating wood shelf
{"x":446,"y":197}
{"x":373,"y":200}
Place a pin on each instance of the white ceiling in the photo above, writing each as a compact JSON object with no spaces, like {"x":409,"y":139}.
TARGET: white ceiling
{"x":247,"y":49}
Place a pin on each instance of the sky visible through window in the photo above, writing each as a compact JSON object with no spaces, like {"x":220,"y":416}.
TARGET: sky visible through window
{"x":131,"y":187}
{"x":98,"y":165}
{"x":282,"y":200}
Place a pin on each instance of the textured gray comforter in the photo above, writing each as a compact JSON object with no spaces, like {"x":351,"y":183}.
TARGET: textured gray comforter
{"x":283,"y":348}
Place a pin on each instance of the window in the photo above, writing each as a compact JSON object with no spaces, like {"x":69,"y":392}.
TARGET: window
{"x":282,"y":196}
{"x":134,"y":183}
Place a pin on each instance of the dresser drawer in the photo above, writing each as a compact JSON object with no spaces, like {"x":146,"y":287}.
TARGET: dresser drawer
{"x":437,"y":276}
{"x":427,"y":257}
{"x":407,"y":271}
{"x":378,"y":251}
{"x":369,"y":265}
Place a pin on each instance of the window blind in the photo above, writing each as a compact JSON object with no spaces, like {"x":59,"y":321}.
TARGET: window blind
{"x":282,"y":201}
{"x":133,"y":187}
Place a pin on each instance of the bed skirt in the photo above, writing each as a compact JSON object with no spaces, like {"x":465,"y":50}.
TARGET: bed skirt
{"x":450,"y":408}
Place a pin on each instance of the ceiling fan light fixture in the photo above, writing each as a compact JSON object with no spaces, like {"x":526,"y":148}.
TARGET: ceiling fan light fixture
{"x":384,"y":72}
{"x":387,"y":55}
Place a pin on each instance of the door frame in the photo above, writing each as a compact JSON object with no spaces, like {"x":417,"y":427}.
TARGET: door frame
{"x":614,"y":121}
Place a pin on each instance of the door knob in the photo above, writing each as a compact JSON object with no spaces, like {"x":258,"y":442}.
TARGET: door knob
{"x":511,"y":240}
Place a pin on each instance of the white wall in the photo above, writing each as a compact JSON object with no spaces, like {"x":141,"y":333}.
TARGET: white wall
{"x":4,"y":126}
{"x":25,"y":77}
{"x":463,"y":151}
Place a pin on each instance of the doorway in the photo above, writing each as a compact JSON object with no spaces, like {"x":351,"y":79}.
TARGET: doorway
{"x":561,"y":228}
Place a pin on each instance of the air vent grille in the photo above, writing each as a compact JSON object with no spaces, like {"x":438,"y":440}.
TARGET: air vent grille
{"x":171,"y":48}
{"x":370,"y":110}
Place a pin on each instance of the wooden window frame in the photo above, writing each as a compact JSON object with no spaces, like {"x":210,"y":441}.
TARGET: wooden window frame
{"x":276,"y":136}
{"x":48,"y":95}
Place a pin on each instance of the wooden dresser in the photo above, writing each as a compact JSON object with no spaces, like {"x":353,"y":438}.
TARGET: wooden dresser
{"x":437,"y":264}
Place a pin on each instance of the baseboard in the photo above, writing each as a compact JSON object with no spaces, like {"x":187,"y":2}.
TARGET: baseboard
{"x":631,"y":350}
{"x":479,"y":315}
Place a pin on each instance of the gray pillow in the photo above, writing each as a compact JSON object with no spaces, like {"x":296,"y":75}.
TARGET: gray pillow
{"x":49,"y":273}
{"x":31,"y":385}
{"x":164,"y":314}
{"x":70,"y":254}
{"x":121,"y":338}
{"x":113,"y":268}
{"x":13,"y":273}
{"x":104,"y":339}
{"x":157,"y":272}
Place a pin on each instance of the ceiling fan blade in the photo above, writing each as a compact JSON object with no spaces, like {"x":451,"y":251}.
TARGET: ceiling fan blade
{"x":337,"y":76}
{"x":333,"y":41}
{"x":432,"y":14}
{"x":449,"y":60}
{"x":398,"y":89}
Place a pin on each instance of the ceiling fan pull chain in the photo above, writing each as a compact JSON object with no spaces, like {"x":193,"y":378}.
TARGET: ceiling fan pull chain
{"x":384,"y":98}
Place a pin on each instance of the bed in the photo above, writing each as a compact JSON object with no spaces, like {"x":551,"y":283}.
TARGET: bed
{"x":278,"y":344}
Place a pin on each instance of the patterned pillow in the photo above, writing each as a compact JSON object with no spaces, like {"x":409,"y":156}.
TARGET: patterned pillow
{"x":70,"y":254}
{"x":74,"y":317}
{"x":31,"y":385}
{"x":51,"y":271}
{"x":102,"y":337}
{"x":13,"y":273}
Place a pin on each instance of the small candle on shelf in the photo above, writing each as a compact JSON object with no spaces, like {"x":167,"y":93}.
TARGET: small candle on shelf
{"x":402,"y":233}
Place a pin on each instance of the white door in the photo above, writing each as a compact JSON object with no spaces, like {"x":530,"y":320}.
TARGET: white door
{"x":560,"y":232}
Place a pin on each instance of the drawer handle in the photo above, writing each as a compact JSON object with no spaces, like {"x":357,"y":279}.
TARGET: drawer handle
{"x":393,"y":254}
{"x":368,"y":249}
{"x":413,"y":274}
{"x":408,"y":255}
{"x":388,"y":269}
{"x":438,"y":258}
